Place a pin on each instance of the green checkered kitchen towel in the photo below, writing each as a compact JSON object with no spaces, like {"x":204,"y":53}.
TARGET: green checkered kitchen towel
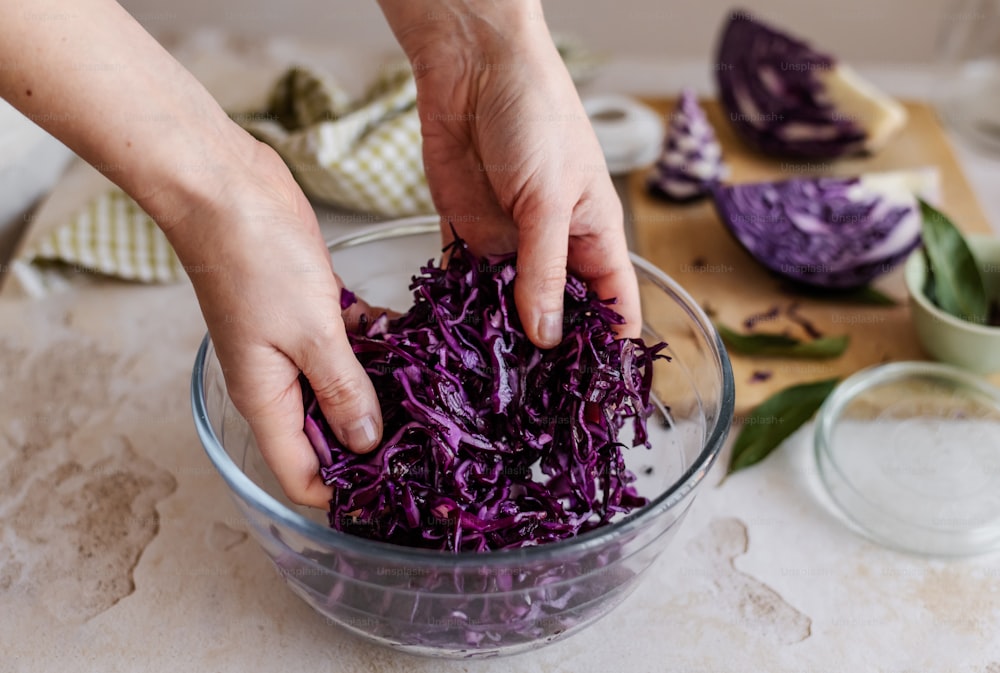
{"x":360,"y":155}
{"x":363,"y":155}
{"x":113,"y":236}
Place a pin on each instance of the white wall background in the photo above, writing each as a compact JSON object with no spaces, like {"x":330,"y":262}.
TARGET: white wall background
{"x":883,"y":31}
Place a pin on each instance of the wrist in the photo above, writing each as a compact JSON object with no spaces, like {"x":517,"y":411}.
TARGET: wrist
{"x":431,"y":32}
{"x":203,"y":167}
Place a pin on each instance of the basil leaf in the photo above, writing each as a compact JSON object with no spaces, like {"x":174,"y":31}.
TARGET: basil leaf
{"x":865,"y":294}
{"x":751,"y":344}
{"x":928,"y":288}
{"x":955,"y":283}
{"x":781,"y":345}
{"x":868,"y":295}
{"x":775,"y":419}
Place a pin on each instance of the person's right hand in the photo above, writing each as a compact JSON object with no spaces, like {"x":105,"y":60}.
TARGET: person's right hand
{"x":512,"y":161}
{"x":266,"y":286}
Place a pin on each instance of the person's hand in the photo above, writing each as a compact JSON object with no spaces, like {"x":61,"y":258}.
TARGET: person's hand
{"x":272,"y":303}
{"x":229,"y":206}
{"x":510,"y":155}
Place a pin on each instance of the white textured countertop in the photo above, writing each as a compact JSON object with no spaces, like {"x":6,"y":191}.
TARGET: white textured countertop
{"x":120,"y":551}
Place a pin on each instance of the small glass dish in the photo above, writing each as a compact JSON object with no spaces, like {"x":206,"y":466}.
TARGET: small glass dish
{"x":910,"y":453}
{"x":967,"y":89}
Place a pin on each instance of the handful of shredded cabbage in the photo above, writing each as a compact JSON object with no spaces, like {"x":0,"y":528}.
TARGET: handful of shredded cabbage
{"x":489,"y":442}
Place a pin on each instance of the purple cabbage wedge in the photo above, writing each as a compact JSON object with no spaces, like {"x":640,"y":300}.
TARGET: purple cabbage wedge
{"x":691,"y":159}
{"x":787,"y":99}
{"x":489,"y":442}
{"x":832,"y":232}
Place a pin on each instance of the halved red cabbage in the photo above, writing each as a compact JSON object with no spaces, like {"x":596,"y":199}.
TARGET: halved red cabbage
{"x":830,"y":232}
{"x":785,"y":98}
{"x":489,"y":442}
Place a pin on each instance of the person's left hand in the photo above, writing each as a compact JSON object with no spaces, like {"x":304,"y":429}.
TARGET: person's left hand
{"x":513,"y":163}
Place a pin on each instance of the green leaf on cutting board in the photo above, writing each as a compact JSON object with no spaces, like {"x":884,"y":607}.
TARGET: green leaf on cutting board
{"x":782,"y":345}
{"x":866,"y":295}
{"x":953,"y":280}
{"x":775,"y":419}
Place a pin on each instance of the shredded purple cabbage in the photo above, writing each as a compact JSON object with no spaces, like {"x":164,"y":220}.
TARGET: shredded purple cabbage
{"x":347,"y":299}
{"x":479,"y":611}
{"x":489,"y":442}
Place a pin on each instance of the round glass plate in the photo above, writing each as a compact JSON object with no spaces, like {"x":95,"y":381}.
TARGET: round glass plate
{"x":967,"y":86}
{"x":910,"y":452}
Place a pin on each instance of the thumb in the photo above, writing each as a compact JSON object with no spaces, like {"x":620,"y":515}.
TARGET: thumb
{"x":542,"y":248}
{"x":343,"y":390}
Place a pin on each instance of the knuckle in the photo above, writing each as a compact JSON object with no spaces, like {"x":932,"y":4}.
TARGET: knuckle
{"x":599,"y":215}
{"x":306,"y":497}
{"x":553,"y":277}
{"x":298,"y":498}
{"x":340,"y":389}
{"x":551,"y":280}
{"x":321,"y":337}
{"x":317,"y":342}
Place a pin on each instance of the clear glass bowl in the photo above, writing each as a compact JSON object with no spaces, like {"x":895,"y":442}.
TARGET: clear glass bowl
{"x":910,"y":453}
{"x":967,"y":90}
{"x":479,"y":605}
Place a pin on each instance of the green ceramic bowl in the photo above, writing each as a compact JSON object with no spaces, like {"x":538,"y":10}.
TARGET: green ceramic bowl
{"x":945,"y":337}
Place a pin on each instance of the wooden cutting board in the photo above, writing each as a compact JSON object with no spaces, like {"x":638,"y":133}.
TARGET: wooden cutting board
{"x":690,"y":244}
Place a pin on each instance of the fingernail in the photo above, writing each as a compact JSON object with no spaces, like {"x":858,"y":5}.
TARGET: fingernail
{"x":361,"y":435}
{"x":550,"y":328}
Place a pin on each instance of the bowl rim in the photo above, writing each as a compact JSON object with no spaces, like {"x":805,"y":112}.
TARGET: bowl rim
{"x":252,"y":494}
{"x":915,"y":265}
